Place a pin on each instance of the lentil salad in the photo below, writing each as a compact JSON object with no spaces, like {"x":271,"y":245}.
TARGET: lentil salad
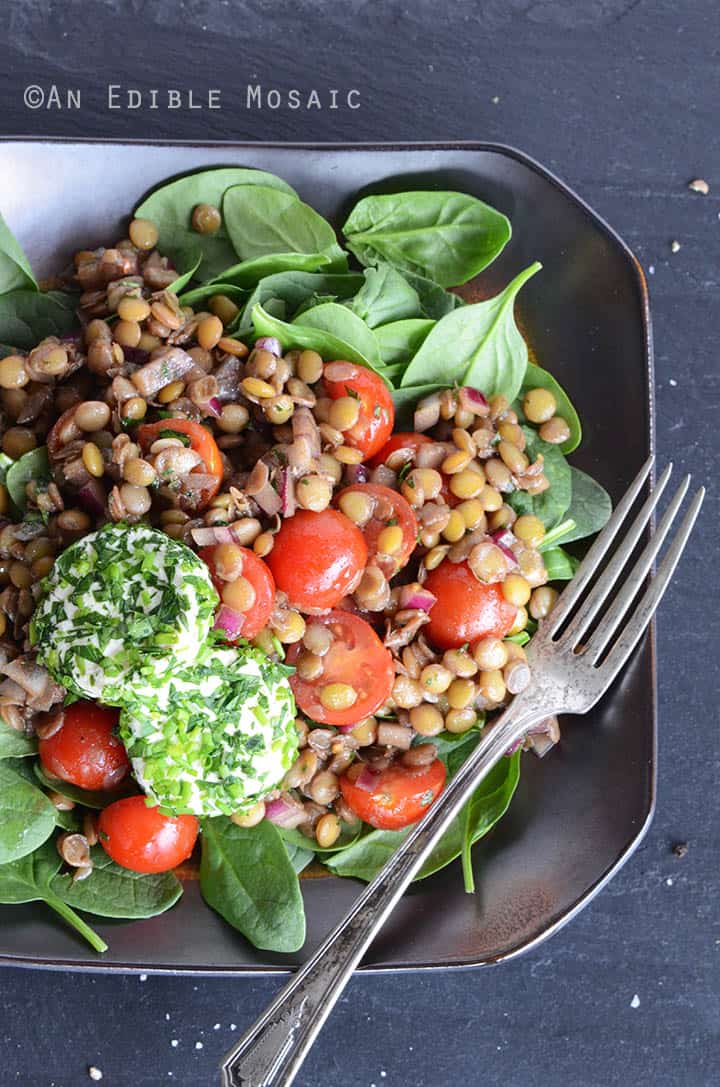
{"x":366,"y":476}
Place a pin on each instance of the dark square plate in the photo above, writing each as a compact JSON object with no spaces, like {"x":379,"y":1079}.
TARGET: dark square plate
{"x":580,"y":812}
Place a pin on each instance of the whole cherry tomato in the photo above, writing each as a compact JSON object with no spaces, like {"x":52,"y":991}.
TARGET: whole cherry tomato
{"x":377,"y":412}
{"x":357,"y":658}
{"x":85,"y":751}
{"x":141,"y":839}
{"x":466,"y":609}
{"x":317,"y":558}
{"x":394,"y":797}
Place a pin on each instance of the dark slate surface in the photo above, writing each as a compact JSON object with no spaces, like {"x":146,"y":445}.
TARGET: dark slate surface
{"x":620,"y":97}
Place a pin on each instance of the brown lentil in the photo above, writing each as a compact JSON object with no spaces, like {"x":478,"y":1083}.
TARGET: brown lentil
{"x":206,"y":219}
{"x":555,"y":431}
{"x":327,"y":830}
{"x":93,"y":460}
{"x":143,"y":234}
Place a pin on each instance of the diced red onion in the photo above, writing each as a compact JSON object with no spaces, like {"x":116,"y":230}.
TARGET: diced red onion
{"x":230,"y":622}
{"x":284,"y":812}
{"x":92,"y":497}
{"x":367,"y":779}
{"x":71,"y":337}
{"x":416,"y":598}
{"x":208,"y":537}
{"x":271,"y":344}
{"x":339,"y":371}
{"x":473,"y":400}
{"x":356,"y":473}
{"x":214,"y":406}
{"x":135,"y":355}
{"x":503,"y":538}
{"x":287,"y":493}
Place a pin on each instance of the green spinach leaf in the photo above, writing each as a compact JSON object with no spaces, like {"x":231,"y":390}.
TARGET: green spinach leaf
{"x":15,"y":270}
{"x":478,"y":345}
{"x":299,"y":856}
{"x":247,"y":877}
{"x":89,"y":798}
{"x":296,"y":288}
{"x":261,"y":221}
{"x":385,"y":296}
{"x":27,"y":316}
{"x":14,"y":744}
{"x":434,"y":299}
{"x":446,"y":236}
{"x":27,"y":818}
{"x":339,"y":322}
{"x":399,"y":341}
{"x":551,"y":505}
{"x":559,"y":564}
{"x":198,"y":295}
{"x":326,"y":342}
{"x":112,"y":891}
{"x":296,"y":838}
{"x":30,"y":467}
{"x":590,"y":507}
{"x":248,"y":273}
{"x":170,"y":208}
{"x":537,"y":378}
{"x":28,"y":880}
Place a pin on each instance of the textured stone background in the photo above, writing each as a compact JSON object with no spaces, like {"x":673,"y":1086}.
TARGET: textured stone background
{"x":620,"y":99}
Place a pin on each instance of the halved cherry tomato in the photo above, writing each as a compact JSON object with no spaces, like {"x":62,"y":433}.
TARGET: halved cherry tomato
{"x":258,"y":574}
{"x":356,"y":657}
{"x":85,"y":751}
{"x":141,"y":839}
{"x":390,"y":509}
{"x":317,"y":558}
{"x":402,"y":439}
{"x":377,"y":412}
{"x":399,"y":797}
{"x":203,"y":443}
{"x":466,"y":609}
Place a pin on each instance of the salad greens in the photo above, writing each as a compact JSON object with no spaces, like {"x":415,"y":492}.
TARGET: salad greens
{"x":281,"y":264}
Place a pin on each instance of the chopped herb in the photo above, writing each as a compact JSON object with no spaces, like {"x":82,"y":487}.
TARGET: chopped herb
{"x":175,"y":434}
{"x":352,"y":392}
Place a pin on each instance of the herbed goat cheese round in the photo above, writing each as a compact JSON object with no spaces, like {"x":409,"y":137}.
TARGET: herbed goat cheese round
{"x":215,"y":738}
{"x":123,"y":598}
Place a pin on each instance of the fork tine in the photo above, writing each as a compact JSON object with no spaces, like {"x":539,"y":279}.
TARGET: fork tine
{"x":634,"y":579}
{"x":645,"y":610}
{"x":597,"y":552}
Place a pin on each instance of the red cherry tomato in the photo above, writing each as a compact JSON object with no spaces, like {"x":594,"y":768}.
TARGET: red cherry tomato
{"x":402,"y":439}
{"x":203,"y":443}
{"x":257,"y":573}
{"x":466,"y":609}
{"x":390,"y":509}
{"x":85,"y":751}
{"x":317,"y":558}
{"x":356,"y":657}
{"x":399,"y":797}
{"x":140,"y":838}
{"x":377,"y":413}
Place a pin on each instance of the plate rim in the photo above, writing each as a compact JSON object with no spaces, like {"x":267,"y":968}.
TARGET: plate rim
{"x":508,"y":151}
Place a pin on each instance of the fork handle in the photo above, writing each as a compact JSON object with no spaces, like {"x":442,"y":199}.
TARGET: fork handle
{"x":272,"y":1051}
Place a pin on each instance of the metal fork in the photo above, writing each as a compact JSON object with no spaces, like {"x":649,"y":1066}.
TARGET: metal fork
{"x":572,"y":665}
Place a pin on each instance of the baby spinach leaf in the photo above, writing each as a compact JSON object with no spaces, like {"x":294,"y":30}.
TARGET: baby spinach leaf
{"x":27,"y":316}
{"x":434,"y":299}
{"x":446,"y":236}
{"x":191,"y":263}
{"x":537,"y":378}
{"x":89,"y":798}
{"x":400,"y":340}
{"x":298,"y":856}
{"x":478,"y":345}
{"x":552,"y":504}
{"x":295,"y":288}
{"x":15,"y":270}
{"x":590,"y":507}
{"x":247,"y":877}
{"x":170,"y":208}
{"x":112,"y":891}
{"x":296,"y":837}
{"x":326,"y":343}
{"x":205,"y":291}
{"x":385,"y":296}
{"x":340,"y":322}
{"x":261,"y":221}
{"x":14,"y":744}
{"x":30,"y":467}
{"x":559,"y":564}
{"x":248,"y":273}
{"x":27,"y":818}
{"x":5,"y":463}
{"x":28,"y":880}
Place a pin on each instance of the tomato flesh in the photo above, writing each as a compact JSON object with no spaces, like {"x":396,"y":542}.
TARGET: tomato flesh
{"x":356,"y":657}
{"x":402,"y":439}
{"x":396,"y":510}
{"x":85,"y":751}
{"x":466,"y":609}
{"x":400,"y":795}
{"x":317,"y":558}
{"x":203,"y":443}
{"x":377,"y":412}
{"x":142,"y":839}
{"x":258,"y":574}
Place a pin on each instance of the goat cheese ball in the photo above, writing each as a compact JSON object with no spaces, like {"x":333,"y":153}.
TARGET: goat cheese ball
{"x":122,"y":599}
{"x":215,"y":738}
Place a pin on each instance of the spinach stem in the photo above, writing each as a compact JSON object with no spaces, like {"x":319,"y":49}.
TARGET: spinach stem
{"x":76,"y":922}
